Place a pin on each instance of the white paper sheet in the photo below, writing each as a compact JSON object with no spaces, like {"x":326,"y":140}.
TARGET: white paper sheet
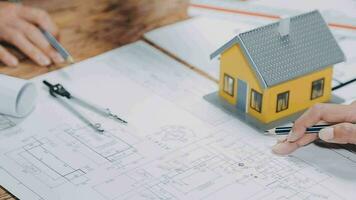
{"x":347,"y":41}
{"x":335,"y":11}
{"x":169,"y":150}
{"x":195,"y":39}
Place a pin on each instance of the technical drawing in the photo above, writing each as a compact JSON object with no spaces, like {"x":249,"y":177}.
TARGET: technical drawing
{"x":107,"y":145}
{"x":13,"y":181}
{"x":67,"y":155}
{"x":172,"y":136}
{"x":130,"y":162}
{"x":41,"y":158}
{"x":176,"y":133}
{"x":215,"y":165}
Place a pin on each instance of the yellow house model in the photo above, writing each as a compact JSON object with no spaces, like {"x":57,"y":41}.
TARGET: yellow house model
{"x":279,"y":69}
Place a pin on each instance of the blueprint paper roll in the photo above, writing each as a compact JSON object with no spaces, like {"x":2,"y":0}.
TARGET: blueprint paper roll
{"x":17,"y":96}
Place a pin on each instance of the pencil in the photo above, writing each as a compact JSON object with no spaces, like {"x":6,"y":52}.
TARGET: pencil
{"x":286,"y":129}
{"x":55,"y":44}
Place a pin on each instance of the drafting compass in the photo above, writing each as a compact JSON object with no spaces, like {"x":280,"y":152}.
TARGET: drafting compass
{"x":62,"y":95}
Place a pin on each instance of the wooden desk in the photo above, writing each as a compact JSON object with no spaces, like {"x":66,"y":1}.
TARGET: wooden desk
{"x":91,"y":27}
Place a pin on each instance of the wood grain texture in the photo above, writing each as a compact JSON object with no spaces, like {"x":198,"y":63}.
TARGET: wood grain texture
{"x":4,"y":195}
{"x":92,"y":27}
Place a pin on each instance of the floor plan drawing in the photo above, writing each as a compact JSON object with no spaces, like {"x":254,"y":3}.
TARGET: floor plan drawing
{"x":108,"y":146}
{"x":39,"y":157}
{"x":53,"y":159}
{"x":169,"y":150}
{"x":171,"y":136}
{"x":218,"y":164}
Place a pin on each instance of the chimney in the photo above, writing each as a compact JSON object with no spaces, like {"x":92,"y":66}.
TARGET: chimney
{"x":283,"y":27}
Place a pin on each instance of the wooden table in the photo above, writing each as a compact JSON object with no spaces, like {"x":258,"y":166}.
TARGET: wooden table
{"x":91,"y":27}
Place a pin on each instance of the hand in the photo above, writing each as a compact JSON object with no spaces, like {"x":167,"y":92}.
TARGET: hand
{"x":344,"y":132}
{"x":20,"y":26}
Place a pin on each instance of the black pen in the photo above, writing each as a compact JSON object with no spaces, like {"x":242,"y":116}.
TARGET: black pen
{"x":286,"y":129}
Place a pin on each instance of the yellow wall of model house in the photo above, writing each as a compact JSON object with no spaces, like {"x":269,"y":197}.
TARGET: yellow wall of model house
{"x":233,"y":63}
{"x":299,"y":94}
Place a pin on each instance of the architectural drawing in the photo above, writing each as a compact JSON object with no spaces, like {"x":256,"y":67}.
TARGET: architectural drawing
{"x":108,"y":146}
{"x":174,"y":152}
{"x":218,"y":164}
{"x":68,"y":154}
{"x":172,"y":136}
{"x":40,"y":158}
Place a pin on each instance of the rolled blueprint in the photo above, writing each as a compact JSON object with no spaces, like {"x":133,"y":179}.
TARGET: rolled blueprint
{"x":17,"y":96}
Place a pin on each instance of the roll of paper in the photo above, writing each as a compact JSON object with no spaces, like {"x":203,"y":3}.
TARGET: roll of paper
{"x":18,"y":97}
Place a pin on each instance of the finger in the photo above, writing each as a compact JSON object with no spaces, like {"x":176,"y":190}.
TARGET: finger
{"x":7,"y":58}
{"x":321,"y":112}
{"x":344,"y":133}
{"x":281,"y":138}
{"x":285,"y":148}
{"x":37,"y":38}
{"x":306,"y":139}
{"x":40,"y":18}
{"x":20,"y":41}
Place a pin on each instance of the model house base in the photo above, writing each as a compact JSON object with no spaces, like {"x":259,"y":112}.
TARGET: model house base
{"x":215,"y":99}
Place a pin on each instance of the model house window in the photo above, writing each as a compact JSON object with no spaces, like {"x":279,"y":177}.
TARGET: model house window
{"x":256,"y":101}
{"x":229,"y":83}
{"x":282,"y":101}
{"x":317,"y":89}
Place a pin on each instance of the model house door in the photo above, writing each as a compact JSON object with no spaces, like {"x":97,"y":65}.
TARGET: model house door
{"x":241,"y":95}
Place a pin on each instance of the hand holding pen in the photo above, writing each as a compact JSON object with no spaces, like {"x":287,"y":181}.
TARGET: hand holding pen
{"x":29,"y":30}
{"x":20,"y":26}
{"x":343,"y":130}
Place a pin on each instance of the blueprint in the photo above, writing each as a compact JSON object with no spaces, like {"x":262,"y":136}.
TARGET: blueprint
{"x":175,"y":145}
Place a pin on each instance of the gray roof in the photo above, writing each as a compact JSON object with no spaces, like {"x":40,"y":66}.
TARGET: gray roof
{"x":310,"y":46}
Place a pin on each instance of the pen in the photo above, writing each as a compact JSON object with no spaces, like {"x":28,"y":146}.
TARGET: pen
{"x":286,"y":129}
{"x":55,"y":44}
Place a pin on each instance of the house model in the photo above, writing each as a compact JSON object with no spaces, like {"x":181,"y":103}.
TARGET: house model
{"x":279,"y":69}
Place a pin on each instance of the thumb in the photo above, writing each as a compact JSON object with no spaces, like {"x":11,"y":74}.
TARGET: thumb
{"x":343,"y":133}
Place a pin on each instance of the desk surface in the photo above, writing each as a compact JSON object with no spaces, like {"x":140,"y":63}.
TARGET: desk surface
{"x":88,"y":28}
